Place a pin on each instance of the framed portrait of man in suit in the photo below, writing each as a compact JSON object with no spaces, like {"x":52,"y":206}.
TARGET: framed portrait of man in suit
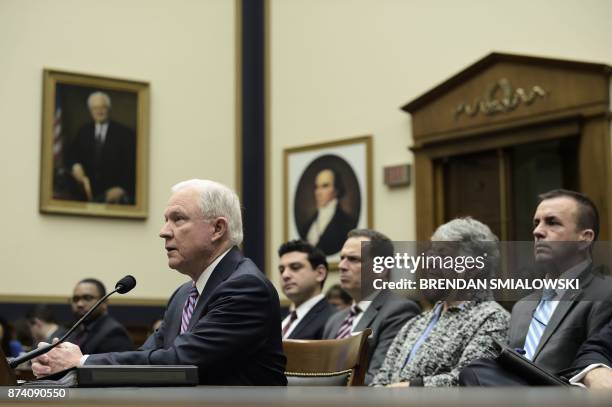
{"x":94,"y":145}
{"x":328,"y":192}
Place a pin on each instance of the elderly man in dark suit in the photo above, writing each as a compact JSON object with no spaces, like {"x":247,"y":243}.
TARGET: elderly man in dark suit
{"x":551,"y":326}
{"x":382,"y":310}
{"x":225,"y":320}
{"x":102,"y":158}
{"x":303,"y":270}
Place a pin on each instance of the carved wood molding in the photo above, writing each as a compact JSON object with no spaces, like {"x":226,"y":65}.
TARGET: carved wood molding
{"x":501,"y":98}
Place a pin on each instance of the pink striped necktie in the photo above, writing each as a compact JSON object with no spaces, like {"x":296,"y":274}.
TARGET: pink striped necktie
{"x":188,"y":309}
{"x":347,"y":325}
{"x":291,"y":321}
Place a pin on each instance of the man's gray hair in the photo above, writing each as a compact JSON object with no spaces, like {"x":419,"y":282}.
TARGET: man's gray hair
{"x":217,"y":200}
{"x":475,"y":237}
{"x":103,"y":95}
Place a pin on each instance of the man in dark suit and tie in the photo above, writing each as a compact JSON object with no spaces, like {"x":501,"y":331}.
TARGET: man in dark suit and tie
{"x":303,"y":270}
{"x":225,"y":320}
{"x":328,"y":227}
{"x":382,"y":311}
{"x":550,"y":326}
{"x":102,"y":158}
{"x":100,"y":332}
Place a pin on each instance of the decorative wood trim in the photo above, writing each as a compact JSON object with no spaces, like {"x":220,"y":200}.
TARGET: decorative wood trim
{"x":496,"y":57}
{"x":56,"y":299}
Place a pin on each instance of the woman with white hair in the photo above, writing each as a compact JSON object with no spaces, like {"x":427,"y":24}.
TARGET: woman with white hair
{"x":433,"y":347}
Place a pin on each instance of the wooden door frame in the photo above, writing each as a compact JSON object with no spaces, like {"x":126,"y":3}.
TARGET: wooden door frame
{"x":577,"y":103}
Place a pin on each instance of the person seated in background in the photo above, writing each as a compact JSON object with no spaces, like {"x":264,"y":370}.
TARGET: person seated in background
{"x":381,"y":310}
{"x":432,"y":348}
{"x":303,"y":270}
{"x":23,"y":334}
{"x":339,"y":298}
{"x":100,"y":332}
{"x":43,"y":326}
{"x":550,"y":325}
{"x":10,"y":346}
{"x":593,"y":365}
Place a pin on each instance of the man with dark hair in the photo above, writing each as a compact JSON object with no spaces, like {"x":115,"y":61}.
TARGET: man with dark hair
{"x":587,"y":216}
{"x":42,"y":323}
{"x":328,"y":227}
{"x":100,"y":332}
{"x":303,"y":270}
{"x":338,"y":297}
{"x":551,"y":325}
{"x":381,"y":310}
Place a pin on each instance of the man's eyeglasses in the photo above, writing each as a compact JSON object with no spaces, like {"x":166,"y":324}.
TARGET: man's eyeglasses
{"x":86,"y":298}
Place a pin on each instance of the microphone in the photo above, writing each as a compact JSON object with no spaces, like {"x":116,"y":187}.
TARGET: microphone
{"x":126,"y":284}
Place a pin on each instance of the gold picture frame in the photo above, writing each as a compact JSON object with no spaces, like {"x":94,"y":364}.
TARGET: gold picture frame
{"x":94,"y":150}
{"x":347,"y":164}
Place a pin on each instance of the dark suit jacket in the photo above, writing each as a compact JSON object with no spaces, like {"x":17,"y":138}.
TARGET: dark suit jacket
{"x":102,"y":335}
{"x":579,"y":315}
{"x":233,"y":336}
{"x":597,"y":349}
{"x":386,"y":315}
{"x":116,"y":165}
{"x":334,"y":235}
{"x":313,"y":323}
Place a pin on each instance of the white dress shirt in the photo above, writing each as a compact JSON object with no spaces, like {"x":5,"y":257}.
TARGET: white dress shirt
{"x":324,"y":216}
{"x":101,"y":129}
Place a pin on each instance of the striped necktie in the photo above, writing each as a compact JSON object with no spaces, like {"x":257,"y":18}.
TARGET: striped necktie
{"x":292,"y":319}
{"x":189,"y":307}
{"x":540,"y":319}
{"x":347,"y":325}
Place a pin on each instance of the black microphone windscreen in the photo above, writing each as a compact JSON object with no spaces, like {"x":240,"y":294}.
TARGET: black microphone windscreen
{"x":125,"y":284}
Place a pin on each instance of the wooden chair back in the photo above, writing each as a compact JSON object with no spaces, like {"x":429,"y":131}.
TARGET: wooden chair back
{"x":327,"y":362}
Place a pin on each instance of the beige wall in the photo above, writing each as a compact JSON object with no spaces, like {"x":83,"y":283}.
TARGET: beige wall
{"x":185,"y":50}
{"x":342,"y":68}
{"x":338,"y":69}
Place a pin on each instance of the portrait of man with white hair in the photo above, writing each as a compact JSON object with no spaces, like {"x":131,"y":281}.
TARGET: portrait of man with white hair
{"x":101,"y":160}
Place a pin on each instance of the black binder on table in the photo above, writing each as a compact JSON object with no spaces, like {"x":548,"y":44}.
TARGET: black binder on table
{"x":122,"y":376}
{"x":525,"y":368}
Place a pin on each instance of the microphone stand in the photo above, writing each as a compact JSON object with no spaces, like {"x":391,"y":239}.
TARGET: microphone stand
{"x":44,"y":349}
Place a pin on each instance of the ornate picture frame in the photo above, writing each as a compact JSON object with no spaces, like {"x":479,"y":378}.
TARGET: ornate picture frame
{"x":328,"y":191}
{"x":94,"y":150}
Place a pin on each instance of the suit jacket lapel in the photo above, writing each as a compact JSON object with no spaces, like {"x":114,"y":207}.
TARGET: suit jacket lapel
{"x":308,"y":318}
{"x":341,"y":316}
{"x":370,"y":314}
{"x":176,"y":314}
{"x":223,"y":270}
{"x":523,"y":321}
{"x":566,"y":304}
{"x":563,"y":308}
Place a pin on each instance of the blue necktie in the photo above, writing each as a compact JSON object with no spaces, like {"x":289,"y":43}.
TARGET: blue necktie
{"x":540,"y":319}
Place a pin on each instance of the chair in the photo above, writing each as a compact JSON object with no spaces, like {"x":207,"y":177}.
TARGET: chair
{"x":7,"y":375}
{"x":327,"y":362}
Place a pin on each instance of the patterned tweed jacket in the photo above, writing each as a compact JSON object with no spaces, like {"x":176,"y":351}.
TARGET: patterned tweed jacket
{"x":462,"y":334}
